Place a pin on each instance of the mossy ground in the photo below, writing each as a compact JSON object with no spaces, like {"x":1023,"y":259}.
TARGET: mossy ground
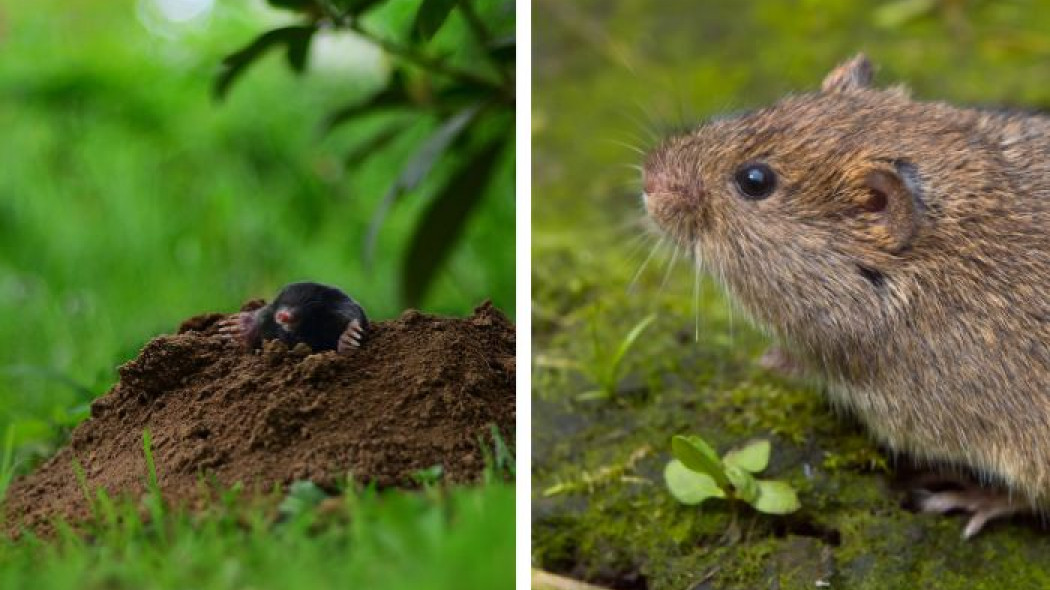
{"x":600,"y":509}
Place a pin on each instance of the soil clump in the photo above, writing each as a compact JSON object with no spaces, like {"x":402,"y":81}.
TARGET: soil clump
{"x":421,"y":391}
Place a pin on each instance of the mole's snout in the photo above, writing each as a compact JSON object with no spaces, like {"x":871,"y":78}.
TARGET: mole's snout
{"x":285,"y":317}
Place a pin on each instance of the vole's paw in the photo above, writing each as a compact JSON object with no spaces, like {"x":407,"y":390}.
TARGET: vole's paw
{"x":351,"y":337}
{"x":982,"y":504}
{"x":237,"y":326}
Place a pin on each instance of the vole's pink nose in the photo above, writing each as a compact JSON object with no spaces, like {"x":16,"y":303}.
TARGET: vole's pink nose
{"x":668,"y":193}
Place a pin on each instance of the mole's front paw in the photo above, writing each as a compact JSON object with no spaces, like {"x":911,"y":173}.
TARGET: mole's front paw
{"x":351,"y":337}
{"x":239,"y":326}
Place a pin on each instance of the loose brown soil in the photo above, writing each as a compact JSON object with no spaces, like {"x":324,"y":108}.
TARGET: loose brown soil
{"x":422,"y":390}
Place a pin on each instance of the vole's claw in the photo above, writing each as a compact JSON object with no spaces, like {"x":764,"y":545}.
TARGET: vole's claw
{"x":351,"y":337}
{"x":982,"y":504}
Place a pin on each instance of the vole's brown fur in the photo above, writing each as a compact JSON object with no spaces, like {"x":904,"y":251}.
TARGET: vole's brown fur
{"x":904,"y":255}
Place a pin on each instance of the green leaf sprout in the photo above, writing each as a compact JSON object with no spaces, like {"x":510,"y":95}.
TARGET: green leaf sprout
{"x":697,"y":473}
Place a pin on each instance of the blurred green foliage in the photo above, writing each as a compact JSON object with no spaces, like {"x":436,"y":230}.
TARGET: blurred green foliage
{"x":129,"y":200}
{"x":462,"y":81}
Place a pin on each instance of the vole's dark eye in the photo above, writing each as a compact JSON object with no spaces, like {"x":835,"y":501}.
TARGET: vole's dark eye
{"x":755,"y":180}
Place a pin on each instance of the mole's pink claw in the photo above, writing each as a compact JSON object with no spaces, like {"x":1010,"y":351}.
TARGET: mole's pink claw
{"x":237,"y":326}
{"x":351,"y":337}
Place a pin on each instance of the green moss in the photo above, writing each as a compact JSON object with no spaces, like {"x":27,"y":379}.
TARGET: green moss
{"x":757,"y":407}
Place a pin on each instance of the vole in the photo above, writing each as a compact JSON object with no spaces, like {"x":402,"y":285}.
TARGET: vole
{"x":898,"y":249}
{"x":322,"y":317}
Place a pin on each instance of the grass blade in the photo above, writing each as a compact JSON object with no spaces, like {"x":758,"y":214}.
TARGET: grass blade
{"x":7,"y":460}
{"x":621,"y":351}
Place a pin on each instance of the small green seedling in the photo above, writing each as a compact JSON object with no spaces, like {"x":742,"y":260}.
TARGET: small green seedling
{"x":430,"y":476}
{"x":604,"y":368}
{"x":303,"y":496}
{"x":696,"y":474}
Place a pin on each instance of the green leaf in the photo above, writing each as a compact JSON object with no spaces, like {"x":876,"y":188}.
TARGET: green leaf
{"x":592,"y":395}
{"x":302,"y":496}
{"x":753,"y":457}
{"x":395,"y":95}
{"x":291,"y":4}
{"x":299,"y":50}
{"x":352,"y":7}
{"x":688,"y":486}
{"x":699,"y":456}
{"x":431,"y":15}
{"x":417,"y":168}
{"x":776,"y":497}
{"x":442,"y":223}
{"x":361,"y":152}
{"x":429,"y":476}
{"x":894,"y":14}
{"x":744,"y":485}
{"x":462,"y":93}
{"x":236,"y":63}
{"x":503,"y":50}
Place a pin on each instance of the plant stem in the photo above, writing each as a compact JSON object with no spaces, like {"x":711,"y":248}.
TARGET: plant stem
{"x":426,"y":62}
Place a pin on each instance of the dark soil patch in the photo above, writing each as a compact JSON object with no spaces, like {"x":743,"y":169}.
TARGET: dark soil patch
{"x":421,"y":391}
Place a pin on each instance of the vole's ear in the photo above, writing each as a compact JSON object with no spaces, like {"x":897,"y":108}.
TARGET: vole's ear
{"x":893,"y":193}
{"x":854,"y":74}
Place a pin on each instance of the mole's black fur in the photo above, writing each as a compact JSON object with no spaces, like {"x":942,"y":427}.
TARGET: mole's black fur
{"x":323,"y":314}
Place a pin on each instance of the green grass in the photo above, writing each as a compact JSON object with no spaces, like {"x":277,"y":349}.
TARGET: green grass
{"x":459,"y":538}
{"x":129,"y":201}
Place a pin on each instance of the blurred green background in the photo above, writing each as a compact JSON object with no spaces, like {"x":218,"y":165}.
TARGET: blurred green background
{"x":610,"y":79}
{"x":130,"y":199}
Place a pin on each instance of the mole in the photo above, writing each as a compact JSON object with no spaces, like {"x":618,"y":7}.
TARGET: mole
{"x":322,"y":317}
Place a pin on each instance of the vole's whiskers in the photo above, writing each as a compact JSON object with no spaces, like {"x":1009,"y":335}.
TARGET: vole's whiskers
{"x":639,"y":241}
{"x":645,"y":263}
{"x":635,"y":228}
{"x":684,"y":114}
{"x":670,"y":267}
{"x":732,"y":325}
{"x":634,"y":148}
{"x":696,"y":303}
{"x":645,"y":122}
{"x":631,"y":186}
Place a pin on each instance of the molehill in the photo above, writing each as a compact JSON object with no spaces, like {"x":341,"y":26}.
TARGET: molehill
{"x":421,"y":391}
